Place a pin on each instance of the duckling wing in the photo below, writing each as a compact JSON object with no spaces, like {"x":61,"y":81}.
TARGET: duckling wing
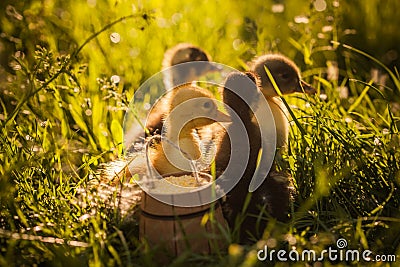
{"x":266,"y":123}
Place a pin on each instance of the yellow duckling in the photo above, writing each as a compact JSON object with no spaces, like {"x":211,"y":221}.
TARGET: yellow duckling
{"x":287,"y":77}
{"x":189,"y":107}
{"x":181,"y":53}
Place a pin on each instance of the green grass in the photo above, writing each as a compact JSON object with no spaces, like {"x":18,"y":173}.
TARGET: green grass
{"x":61,"y":117}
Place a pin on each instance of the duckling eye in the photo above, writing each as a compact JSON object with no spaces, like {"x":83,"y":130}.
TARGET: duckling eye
{"x":284,"y":76}
{"x":207,"y":105}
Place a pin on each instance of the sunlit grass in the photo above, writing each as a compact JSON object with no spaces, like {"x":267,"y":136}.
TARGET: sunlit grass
{"x":61,"y":116}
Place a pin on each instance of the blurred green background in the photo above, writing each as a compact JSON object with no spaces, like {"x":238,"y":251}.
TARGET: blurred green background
{"x":233,"y":32}
{"x":61,"y":115}
{"x":227,"y":29}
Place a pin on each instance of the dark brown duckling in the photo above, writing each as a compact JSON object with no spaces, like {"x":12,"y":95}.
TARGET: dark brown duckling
{"x":243,"y":84}
{"x":272,"y":197}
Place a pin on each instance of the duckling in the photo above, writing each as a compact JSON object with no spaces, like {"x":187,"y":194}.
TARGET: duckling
{"x":180,"y":74}
{"x":273,"y":195}
{"x":189,"y":107}
{"x":244,"y":84}
{"x":277,"y":189}
{"x":181,"y":53}
{"x":287,"y":77}
{"x":238,"y":83}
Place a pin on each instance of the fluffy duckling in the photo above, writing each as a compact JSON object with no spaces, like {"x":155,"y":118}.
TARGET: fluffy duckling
{"x":287,"y":77}
{"x":239,"y":83}
{"x":276,"y":191}
{"x":273,"y":195}
{"x":245,"y":84}
{"x":181,"y":53}
{"x":189,"y":107}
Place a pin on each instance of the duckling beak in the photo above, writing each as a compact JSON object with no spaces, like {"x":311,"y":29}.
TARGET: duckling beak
{"x":308,"y":89}
{"x":222,"y":117}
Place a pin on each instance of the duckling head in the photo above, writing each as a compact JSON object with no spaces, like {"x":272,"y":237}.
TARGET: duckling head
{"x":193,"y":107}
{"x":285,"y":73}
{"x":184,"y":53}
{"x":240,"y":92}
